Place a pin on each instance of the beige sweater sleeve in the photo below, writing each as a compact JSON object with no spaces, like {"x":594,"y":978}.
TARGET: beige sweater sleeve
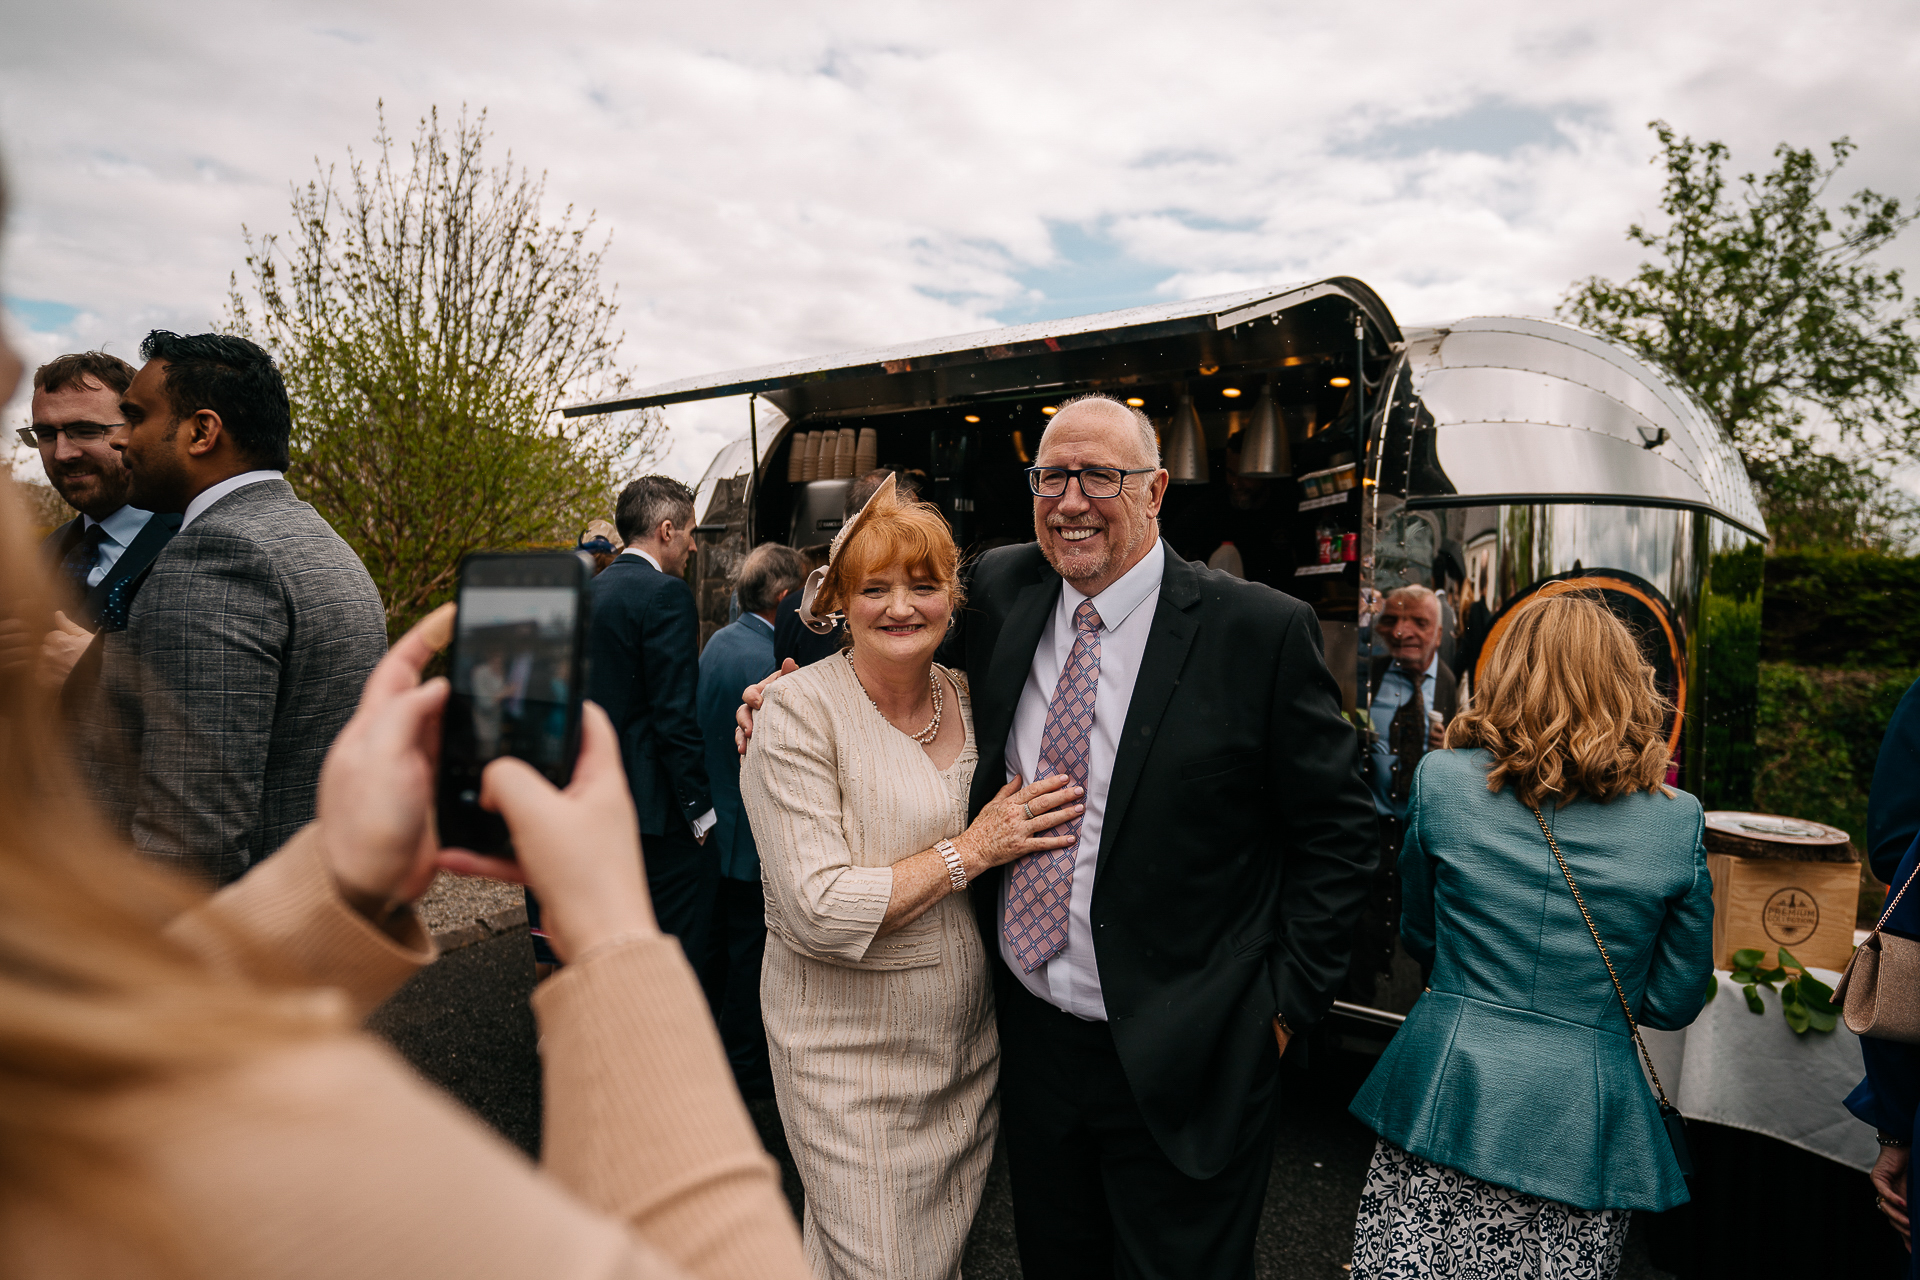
{"x":642,"y":1118}
{"x":285,"y":922}
{"x":328,"y":1159}
{"x":824,"y":905}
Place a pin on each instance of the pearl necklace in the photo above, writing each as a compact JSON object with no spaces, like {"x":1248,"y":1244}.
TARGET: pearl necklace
{"x":932,"y":730}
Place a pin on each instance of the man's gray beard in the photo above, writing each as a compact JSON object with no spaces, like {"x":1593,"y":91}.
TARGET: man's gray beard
{"x":1152,"y":526}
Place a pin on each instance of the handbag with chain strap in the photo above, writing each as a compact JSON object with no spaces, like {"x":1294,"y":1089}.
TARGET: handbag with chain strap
{"x":1669,"y":1114}
{"x":1879,"y":994}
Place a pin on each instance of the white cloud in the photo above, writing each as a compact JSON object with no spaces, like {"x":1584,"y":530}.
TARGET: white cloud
{"x":785,"y":179}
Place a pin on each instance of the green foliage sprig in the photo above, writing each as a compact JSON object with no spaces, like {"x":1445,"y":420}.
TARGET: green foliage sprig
{"x":1805,"y":1001}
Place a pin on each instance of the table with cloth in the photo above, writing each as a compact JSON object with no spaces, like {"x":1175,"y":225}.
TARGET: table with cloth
{"x":1761,"y":1103}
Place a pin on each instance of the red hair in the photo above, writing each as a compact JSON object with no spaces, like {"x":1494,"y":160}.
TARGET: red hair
{"x":893,"y":531}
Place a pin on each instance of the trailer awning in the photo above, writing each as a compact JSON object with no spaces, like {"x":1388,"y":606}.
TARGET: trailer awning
{"x":1252,"y":326}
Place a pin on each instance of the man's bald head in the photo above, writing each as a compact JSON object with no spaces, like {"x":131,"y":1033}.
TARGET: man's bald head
{"x":1107,"y":412}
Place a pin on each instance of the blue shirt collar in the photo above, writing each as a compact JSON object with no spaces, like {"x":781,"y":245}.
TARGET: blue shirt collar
{"x":123,"y":526}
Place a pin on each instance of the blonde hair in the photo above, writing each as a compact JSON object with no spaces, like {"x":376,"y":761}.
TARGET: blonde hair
{"x":94,"y":997}
{"x":1567,"y":706}
{"x":893,"y":530}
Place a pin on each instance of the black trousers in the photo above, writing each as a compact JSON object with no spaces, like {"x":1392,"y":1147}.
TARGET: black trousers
{"x":682,"y":875}
{"x":1093,"y":1194}
{"x":730,"y":973}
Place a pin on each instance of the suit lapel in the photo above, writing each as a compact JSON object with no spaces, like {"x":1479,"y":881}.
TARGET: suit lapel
{"x":1168,"y":640}
{"x":62,"y":540}
{"x":1012,"y":659}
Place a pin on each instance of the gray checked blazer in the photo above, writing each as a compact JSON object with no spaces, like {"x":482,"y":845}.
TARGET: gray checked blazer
{"x":243,"y":655}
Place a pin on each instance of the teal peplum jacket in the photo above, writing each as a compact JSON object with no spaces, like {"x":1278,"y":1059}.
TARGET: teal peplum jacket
{"x":1516,"y":1066}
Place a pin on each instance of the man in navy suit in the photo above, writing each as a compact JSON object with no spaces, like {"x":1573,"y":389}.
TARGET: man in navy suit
{"x":643,"y":652}
{"x":103,"y":551}
{"x":737,"y":656}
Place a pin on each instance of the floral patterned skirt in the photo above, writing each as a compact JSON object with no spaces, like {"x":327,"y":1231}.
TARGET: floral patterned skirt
{"x":1420,"y":1219}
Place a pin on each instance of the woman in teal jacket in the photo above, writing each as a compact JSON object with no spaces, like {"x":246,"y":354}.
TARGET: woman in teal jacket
{"x":1517,"y":1131}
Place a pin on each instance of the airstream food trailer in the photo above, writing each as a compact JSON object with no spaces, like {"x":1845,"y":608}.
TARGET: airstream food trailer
{"x":1316,"y":447}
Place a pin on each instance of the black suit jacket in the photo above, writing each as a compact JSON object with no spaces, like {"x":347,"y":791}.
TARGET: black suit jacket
{"x":643,"y":668}
{"x":132,"y":562}
{"x":1238,"y":844}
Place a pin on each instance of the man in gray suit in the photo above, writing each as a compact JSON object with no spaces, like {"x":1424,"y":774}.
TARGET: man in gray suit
{"x":245,"y":651}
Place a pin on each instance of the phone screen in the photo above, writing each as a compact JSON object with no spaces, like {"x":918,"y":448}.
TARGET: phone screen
{"x":513,"y":674}
{"x":516,"y":672}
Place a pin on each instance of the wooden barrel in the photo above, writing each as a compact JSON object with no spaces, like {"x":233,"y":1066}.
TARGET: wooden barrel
{"x":1775,"y":838}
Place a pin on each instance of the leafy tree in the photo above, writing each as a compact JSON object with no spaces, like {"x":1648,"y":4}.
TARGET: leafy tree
{"x":1778,"y":317}
{"x":429,"y":323}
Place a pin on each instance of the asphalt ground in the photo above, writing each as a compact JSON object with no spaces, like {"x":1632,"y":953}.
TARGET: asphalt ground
{"x":465,"y":1024}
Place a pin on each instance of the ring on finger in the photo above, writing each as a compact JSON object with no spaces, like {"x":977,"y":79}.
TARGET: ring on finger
{"x":1029,"y":809}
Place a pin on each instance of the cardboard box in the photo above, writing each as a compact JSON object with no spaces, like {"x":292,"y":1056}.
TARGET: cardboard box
{"x":1766,"y":904}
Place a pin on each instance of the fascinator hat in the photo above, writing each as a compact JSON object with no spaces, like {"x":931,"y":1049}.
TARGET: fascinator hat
{"x":821,"y":624}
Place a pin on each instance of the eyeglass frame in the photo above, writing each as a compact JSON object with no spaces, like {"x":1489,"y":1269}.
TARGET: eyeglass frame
{"x":30,"y":436}
{"x":1074,"y":475}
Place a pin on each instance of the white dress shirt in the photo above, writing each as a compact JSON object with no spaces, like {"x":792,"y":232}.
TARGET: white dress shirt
{"x":208,"y":497}
{"x":122,"y":527}
{"x":1071,"y":980}
{"x":703,"y":823}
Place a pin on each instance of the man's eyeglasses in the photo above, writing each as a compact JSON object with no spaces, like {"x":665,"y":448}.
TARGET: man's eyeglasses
{"x":37,"y":437}
{"x":1095,"y":482}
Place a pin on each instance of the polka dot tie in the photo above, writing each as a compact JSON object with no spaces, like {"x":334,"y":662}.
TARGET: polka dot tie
{"x":1042,"y":884}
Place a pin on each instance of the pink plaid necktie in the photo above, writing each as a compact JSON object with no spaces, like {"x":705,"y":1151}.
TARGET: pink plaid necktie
{"x":1042,"y":884}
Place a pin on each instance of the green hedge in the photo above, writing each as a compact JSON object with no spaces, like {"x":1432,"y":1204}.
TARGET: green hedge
{"x":1846,"y":610}
{"x":1817,"y":737}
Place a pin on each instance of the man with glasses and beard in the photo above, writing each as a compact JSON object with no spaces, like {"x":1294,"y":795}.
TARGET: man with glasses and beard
{"x":103,"y":550}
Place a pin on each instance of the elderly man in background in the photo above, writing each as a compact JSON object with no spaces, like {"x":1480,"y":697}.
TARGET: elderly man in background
{"x":105,"y":549}
{"x":1414,"y":696}
{"x":739,"y":655}
{"x":643,"y":668}
{"x":245,"y":652}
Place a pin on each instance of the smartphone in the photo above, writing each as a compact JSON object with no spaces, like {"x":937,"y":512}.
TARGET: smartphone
{"x":518,"y":669}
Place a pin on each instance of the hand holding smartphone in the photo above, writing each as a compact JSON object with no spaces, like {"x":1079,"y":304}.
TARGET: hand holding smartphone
{"x":518,"y":671}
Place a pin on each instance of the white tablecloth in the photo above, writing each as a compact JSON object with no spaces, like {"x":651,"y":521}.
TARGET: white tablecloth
{"x":1749,"y":1071}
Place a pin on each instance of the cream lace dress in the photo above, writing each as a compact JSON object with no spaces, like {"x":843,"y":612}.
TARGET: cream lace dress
{"x":884,"y":1051}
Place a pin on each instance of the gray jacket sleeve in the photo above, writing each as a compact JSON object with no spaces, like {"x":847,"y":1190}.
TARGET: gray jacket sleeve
{"x":211,"y":627}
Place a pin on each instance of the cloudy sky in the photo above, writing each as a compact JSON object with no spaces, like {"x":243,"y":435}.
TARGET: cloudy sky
{"x":792,"y":177}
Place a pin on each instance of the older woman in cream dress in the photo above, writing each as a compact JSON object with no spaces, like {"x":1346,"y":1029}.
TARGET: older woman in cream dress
{"x":878,"y":1005}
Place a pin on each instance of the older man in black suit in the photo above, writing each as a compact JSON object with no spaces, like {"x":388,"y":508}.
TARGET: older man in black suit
{"x":1203,"y":918}
{"x":1152,"y":974}
{"x":245,"y":652}
{"x":76,"y":407}
{"x":643,"y":655}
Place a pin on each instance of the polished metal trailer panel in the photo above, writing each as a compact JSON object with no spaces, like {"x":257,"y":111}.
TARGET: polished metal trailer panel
{"x":1537,"y":410}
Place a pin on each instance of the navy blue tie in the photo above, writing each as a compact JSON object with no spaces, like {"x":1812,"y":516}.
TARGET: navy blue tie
{"x":85,"y":554}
